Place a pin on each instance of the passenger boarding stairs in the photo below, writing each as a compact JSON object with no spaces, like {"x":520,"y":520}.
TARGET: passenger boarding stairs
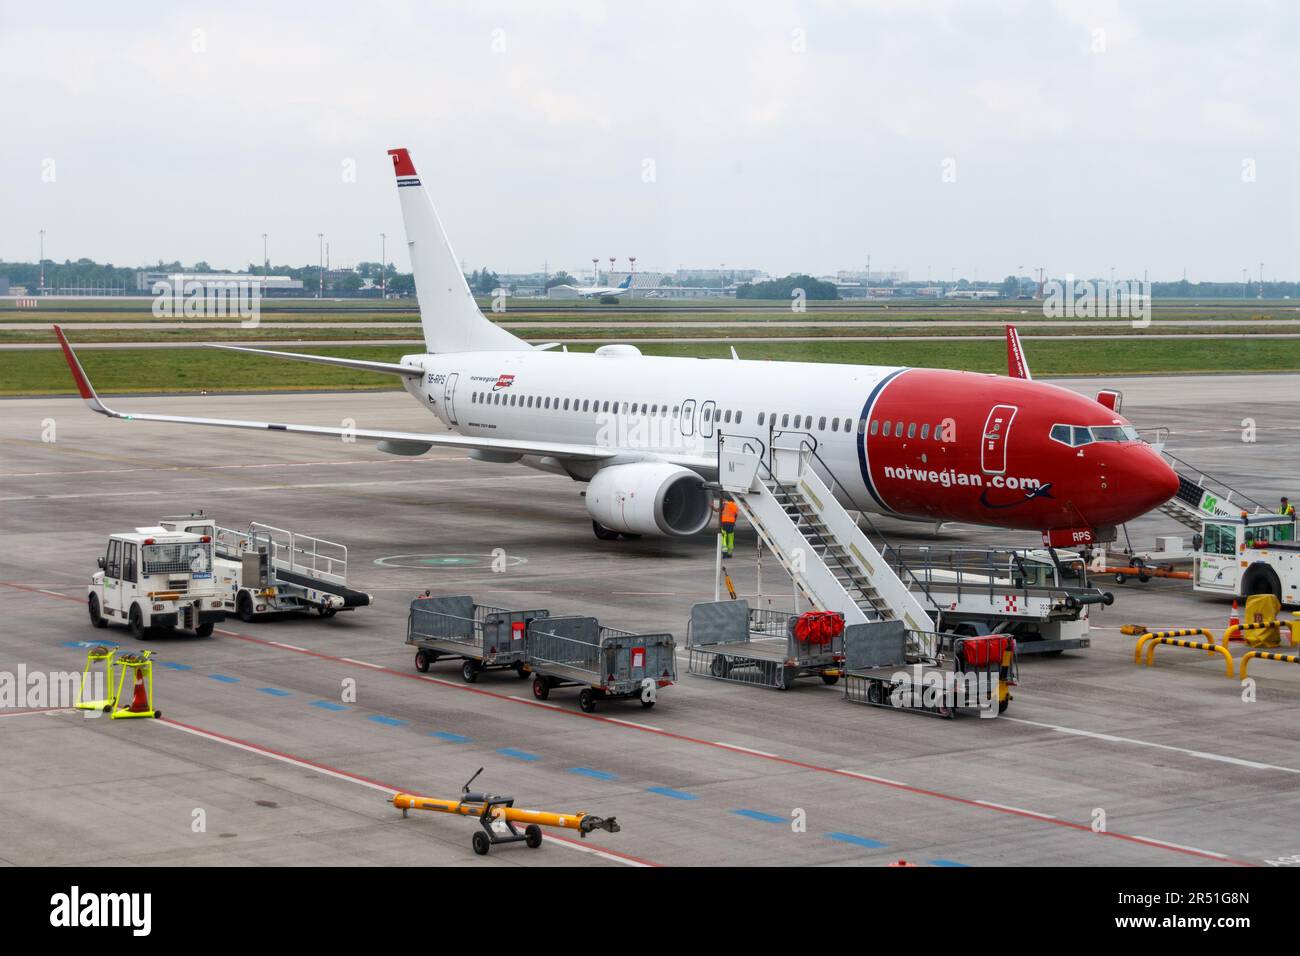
{"x":1200,"y":496}
{"x":832,"y":562}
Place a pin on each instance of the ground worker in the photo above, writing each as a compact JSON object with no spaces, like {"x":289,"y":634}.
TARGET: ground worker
{"x":1286,"y":508}
{"x":727,"y":525}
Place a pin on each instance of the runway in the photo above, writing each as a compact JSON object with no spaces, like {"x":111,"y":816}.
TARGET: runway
{"x":1097,"y":762}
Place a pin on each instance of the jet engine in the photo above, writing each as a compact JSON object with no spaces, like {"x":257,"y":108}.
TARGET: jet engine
{"x":649,"y":498}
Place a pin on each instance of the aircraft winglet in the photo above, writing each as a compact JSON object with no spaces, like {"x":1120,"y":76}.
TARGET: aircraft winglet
{"x":1017,"y":367}
{"x":79,"y":375}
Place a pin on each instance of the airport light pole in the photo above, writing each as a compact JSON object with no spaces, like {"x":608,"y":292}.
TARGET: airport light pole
{"x":266,"y":262}
{"x":42,"y":287}
{"x":320,"y":238}
{"x":383,"y":268}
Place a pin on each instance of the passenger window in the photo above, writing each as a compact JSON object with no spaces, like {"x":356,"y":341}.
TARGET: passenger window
{"x":727,"y":417}
{"x":785,"y":420}
{"x":738,"y":414}
{"x":911,"y":429}
{"x":925,"y":431}
{"x":888,"y":426}
{"x":717,"y":414}
{"x":875,"y":425}
{"x":821,"y":424}
{"x":761,"y":416}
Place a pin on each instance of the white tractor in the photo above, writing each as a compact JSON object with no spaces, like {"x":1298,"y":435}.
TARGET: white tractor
{"x":156,"y":579}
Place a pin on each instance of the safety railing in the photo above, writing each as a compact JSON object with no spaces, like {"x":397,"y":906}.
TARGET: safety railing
{"x":1266,"y":656}
{"x":989,"y":572}
{"x":1227,"y":496}
{"x":1150,"y":641}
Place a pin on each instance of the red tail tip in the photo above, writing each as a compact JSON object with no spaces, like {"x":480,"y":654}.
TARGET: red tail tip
{"x":402,"y":164}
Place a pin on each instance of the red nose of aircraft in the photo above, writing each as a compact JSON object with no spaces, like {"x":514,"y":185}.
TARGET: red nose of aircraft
{"x":1140,"y":481}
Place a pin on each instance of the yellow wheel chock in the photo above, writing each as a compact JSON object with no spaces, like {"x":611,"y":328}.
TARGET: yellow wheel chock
{"x":100,"y":653}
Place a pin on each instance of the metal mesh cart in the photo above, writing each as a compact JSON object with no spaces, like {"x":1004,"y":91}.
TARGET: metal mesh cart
{"x":482,"y":637}
{"x":887,"y":665}
{"x":605,"y":662}
{"x":729,"y":640}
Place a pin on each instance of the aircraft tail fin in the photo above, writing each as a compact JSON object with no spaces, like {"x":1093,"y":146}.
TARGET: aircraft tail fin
{"x":450,"y":317}
{"x":1017,"y":366}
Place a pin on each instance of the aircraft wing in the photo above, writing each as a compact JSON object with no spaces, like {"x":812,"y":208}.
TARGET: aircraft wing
{"x":411,"y":441}
{"x":408,"y":371}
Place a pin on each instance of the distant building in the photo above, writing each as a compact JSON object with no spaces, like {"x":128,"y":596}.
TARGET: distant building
{"x":4,"y":285}
{"x":269,"y":285}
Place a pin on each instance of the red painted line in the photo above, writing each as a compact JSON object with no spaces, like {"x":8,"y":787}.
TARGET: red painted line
{"x":380,"y":785}
{"x":787,"y":761}
{"x":24,"y":587}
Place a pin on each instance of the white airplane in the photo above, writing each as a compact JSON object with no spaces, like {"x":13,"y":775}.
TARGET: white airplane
{"x":641,"y":431}
{"x":591,"y":291}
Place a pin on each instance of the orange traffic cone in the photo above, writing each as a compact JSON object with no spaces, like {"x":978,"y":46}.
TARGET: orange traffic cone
{"x":1234,"y":621}
{"x":140,"y":696}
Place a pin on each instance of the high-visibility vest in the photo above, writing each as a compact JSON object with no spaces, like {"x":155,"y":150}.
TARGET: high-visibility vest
{"x":1288,"y":510}
{"x":729,"y":512}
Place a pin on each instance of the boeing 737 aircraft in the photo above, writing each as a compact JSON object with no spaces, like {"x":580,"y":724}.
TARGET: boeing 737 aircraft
{"x":641,"y":431}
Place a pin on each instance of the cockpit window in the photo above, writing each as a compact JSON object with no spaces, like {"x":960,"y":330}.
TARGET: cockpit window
{"x":1114,"y":433}
{"x":1076,"y":436}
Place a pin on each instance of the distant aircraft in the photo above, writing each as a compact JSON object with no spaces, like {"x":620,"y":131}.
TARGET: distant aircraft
{"x":591,"y":291}
{"x":641,"y":431}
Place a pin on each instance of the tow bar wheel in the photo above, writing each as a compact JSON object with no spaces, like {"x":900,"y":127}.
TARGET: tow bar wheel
{"x":541,"y":690}
{"x":587,"y":700}
{"x":533,"y":836}
{"x":481,"y":843}
{"x":422,"y":661}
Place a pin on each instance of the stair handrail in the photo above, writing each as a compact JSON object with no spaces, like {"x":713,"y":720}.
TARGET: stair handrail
{"x":1203,"y":476}
{"x":808,"y":443}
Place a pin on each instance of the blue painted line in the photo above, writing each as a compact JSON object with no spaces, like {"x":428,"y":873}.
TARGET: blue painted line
{"x":517,"y":754}
{"x":274,"y":692}
{"x":948,"y":863}
{"x":756,"y":815}
{"x":224,"y":678}
{"x":856,"y":840}
{"x":670,"y":792}
{"x":594,"y":774}
{"x":174,"y":666}
{"x":387,"y":721}
{"x":87,"y":644}
{"x":329,"y":705}
{"x":450,"y":737}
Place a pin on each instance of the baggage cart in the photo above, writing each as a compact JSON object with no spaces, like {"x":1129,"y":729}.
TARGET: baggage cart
{"x":729,"y":640}
{"x":887,"y":665}
{"x":482,"y":637}
{"x":607,"y":663}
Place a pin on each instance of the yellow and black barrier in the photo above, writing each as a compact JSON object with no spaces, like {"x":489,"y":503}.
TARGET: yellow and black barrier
{"x":1179,"y":632}
{"x":1267,"y":656}
{"x":1235,"y":630}
{"x":1152,"y":641}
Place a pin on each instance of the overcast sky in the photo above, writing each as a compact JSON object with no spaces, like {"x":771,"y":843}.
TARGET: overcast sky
{"x":935,"y":136}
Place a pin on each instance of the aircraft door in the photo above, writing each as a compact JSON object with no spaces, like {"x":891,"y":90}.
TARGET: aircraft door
{"x":993,"y":445}
{"x":449,"y":396}
{"x":688,"y":417}
{"x":706,"y":420}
